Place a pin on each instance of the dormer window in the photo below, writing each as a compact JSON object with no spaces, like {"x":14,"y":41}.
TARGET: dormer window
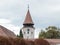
{"x":27,"y":31}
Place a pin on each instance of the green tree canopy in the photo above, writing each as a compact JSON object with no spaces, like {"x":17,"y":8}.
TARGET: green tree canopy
{"x":20,"y":34}
{"x":51,"y":28}
{"x":51,"y":32}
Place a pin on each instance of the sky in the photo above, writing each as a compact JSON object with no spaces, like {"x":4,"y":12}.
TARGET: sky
{"x":43,"y":12}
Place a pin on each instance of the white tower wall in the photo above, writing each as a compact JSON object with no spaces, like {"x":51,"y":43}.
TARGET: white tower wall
{"x":28,"y":33}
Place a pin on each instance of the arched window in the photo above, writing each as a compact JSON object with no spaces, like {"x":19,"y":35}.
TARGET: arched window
{"x":31,"y":32}
{"x":27,"y":31}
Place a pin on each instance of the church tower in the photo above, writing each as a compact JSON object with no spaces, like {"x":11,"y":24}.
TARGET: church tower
{"x":28,"y":27}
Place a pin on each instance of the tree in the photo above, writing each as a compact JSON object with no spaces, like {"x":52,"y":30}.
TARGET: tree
{"x":20,"y":34}
{"x":42,"y":34}
{"x":51,"y":28}
{"x":51,"y":32}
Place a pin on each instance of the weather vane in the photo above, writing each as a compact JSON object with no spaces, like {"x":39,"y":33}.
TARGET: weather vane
{"x":28,"y":6}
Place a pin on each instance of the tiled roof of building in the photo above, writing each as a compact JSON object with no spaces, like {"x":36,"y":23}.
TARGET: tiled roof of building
{"x":6,"y":33}
{"x":28,"y":19}
{"x":54,"y":41}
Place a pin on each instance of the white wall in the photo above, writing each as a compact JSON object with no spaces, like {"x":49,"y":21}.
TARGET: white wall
{"x":26,"y":35}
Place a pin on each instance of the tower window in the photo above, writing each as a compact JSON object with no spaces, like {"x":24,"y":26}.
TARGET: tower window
{"x":31,"y":32}
{"x":24,"y":32}
{"x":28,"y":31}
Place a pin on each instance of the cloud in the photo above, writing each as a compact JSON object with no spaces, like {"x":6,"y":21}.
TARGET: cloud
{"x":4,"y":21}
{"x":43,"y":12}
{"x":8,"y":24}
{"x":37,"y":30}
{"x":12,"y":27}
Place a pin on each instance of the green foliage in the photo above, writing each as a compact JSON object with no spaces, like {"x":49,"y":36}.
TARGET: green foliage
{"x":20,"y":34}
{"x":51,"y":32}
{"x":42,"y":34}
{"x":51,"y":28}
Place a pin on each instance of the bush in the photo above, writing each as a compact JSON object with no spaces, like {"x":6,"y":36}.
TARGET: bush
{"x":4,"y":41}
{"x":20,"y":41}
{"x":31,"y":42}
{"x":41,"y":42}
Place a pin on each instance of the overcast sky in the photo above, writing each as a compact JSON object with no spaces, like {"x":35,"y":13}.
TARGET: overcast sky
{"x":44,"y":13}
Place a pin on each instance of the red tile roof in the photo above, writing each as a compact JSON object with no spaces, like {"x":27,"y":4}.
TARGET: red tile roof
{"x":54,"y":41}
{"x":28,"y":19}
{"x":6,"y":33}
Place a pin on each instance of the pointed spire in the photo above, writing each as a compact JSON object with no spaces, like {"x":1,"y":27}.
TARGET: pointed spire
{"x":28,"y":19}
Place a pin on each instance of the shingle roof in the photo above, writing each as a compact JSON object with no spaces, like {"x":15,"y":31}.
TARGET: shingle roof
{"x":54,"y":41}
{"x":28,"y":19}
{"x":6,"y":33}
